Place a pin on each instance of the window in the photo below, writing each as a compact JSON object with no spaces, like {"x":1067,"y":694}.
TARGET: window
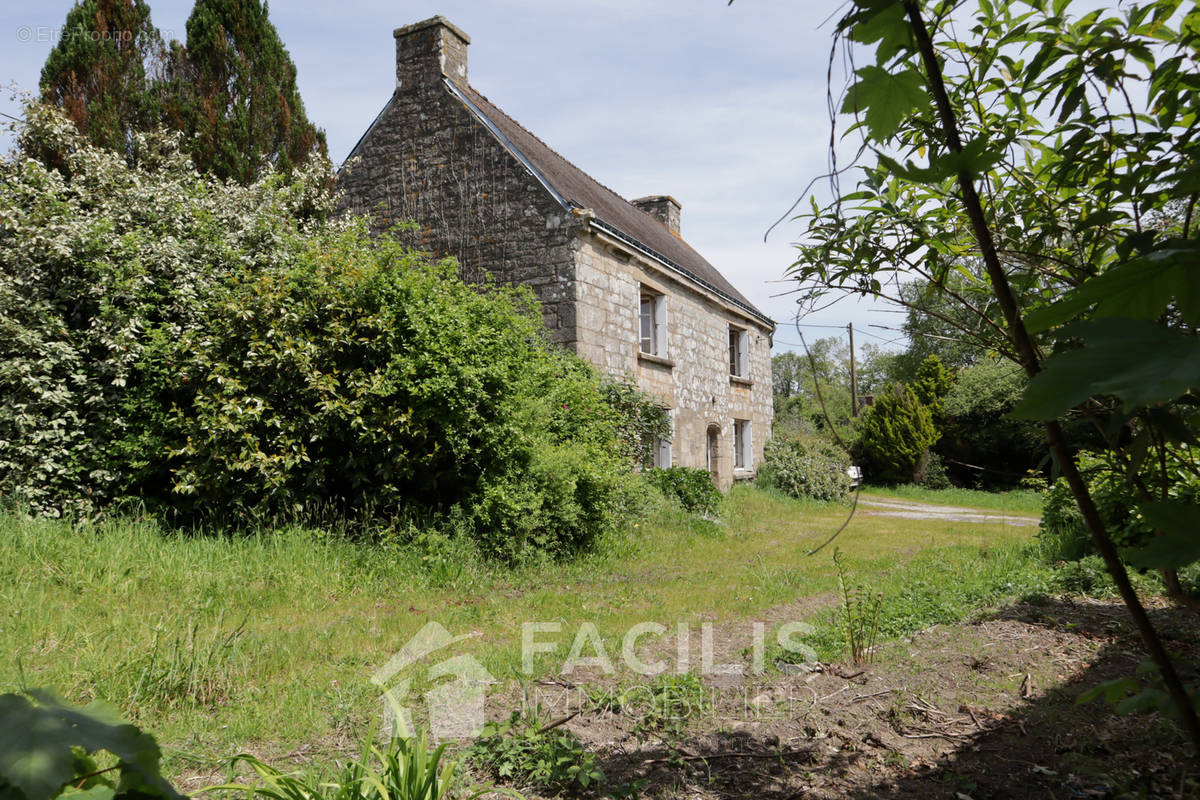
{"x":738,"y":358}
{"x":662,"y":446}
{"x":652,"y":318}
{"x":662,"y":453}
{"x":743,"y":449}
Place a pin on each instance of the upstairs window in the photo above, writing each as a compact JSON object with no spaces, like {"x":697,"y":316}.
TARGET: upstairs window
{"x":738,"y":355}
{"x":652,"y":317}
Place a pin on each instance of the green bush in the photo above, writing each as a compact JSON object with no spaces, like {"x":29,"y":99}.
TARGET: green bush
{"x":237,"y":354}
{"x":978,"y":431}
{"x":805,"y":467}
{"x":691,"y":488}
{"x":895,"y":436}
{"x":1063,"y":532}
{"x":934,"y":476}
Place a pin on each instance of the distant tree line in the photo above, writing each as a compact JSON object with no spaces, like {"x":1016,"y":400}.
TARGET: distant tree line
{"x":939,"y":408}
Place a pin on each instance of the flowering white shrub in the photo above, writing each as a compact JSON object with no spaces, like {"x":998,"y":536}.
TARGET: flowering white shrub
{"x":219,"y":351}
{"x":93,"y":255}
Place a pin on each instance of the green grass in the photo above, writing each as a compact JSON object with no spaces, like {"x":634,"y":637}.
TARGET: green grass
{"x":268,"y":643}
{"x":935,"y":587}
{"x":1017,"y":501}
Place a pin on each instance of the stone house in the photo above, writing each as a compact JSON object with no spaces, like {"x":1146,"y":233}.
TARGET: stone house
{"x":617,"y":282}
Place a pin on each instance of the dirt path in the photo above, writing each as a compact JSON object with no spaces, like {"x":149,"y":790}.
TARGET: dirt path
{"x":909,"y":509}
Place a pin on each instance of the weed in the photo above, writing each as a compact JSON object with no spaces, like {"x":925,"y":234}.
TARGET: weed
{"x":667,"y":704}
{"x":529,"y":753}
{"x":612,"y":701}
{"x":404,"y":770}
{"x":860,"y":612}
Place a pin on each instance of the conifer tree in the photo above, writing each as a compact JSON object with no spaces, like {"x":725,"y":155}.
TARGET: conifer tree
{"x":97,"y":72}
{"x":931,"y":385}
{"x":243,"y":111}
{"x":895,"y":436}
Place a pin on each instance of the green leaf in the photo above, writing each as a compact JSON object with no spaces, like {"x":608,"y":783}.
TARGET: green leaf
{"x":34,"y":756}
{"x":1138,"y":362}
{"x":98,"y":792}
{"x":36,"y":742}
{"x":886,"y":25}
{"x":1148,"y":699}
{"x":1110,"y":691}
{"x":1178,"y":540}
{"x":974,"y":160}
{"x":1140,"y":288}
{"x":886,"y":97}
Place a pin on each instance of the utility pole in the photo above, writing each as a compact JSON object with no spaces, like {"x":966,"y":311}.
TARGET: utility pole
{"x":853,"y":377}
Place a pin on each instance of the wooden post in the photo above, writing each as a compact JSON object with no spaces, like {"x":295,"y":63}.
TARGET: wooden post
{"x":853,"y":377}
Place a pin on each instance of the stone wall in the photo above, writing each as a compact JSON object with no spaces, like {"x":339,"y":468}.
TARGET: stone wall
{"x":694,"y":378}
{"x":427,"y":159}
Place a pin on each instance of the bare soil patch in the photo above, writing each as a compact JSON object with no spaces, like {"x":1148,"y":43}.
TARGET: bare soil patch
{"x":985,"y":709}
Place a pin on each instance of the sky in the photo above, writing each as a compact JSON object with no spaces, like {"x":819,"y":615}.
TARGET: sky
{"x":721,"y":106}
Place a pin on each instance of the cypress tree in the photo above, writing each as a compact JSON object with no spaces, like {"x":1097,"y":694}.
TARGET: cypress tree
{"x":895,"y":436}
{"x":931,"y":385}
{"x":244,"y":113}
{"x":97,"y":72}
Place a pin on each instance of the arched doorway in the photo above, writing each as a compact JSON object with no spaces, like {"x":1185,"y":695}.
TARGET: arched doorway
{"x":712,"y":453}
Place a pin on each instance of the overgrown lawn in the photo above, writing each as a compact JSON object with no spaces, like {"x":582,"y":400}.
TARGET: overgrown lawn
{"x":268,"y":642}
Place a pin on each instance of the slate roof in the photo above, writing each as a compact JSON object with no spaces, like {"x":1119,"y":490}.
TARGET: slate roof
{"x":575,"y":188}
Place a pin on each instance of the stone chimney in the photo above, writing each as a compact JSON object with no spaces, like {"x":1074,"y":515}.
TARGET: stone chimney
{"x":663,"y":208}
{"x":426,"y":51}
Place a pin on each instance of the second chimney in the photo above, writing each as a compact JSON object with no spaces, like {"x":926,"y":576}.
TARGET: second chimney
{"x":663,"y":208}
{"x":427,"y":51}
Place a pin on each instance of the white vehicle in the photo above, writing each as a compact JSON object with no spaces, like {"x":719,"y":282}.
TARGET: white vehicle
{"x":855,"y":474}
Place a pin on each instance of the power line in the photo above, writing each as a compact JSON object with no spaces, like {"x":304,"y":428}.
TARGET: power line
{"x":806,"y":324}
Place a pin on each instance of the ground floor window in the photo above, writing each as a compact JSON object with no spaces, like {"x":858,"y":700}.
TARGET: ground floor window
{"x":743,"y":452}
{"x":662,"y":453}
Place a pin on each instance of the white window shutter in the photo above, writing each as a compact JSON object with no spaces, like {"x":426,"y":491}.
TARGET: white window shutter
{"x":661,"y":320}
{"x":748,"y":457}
{"x":664,"y":452}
